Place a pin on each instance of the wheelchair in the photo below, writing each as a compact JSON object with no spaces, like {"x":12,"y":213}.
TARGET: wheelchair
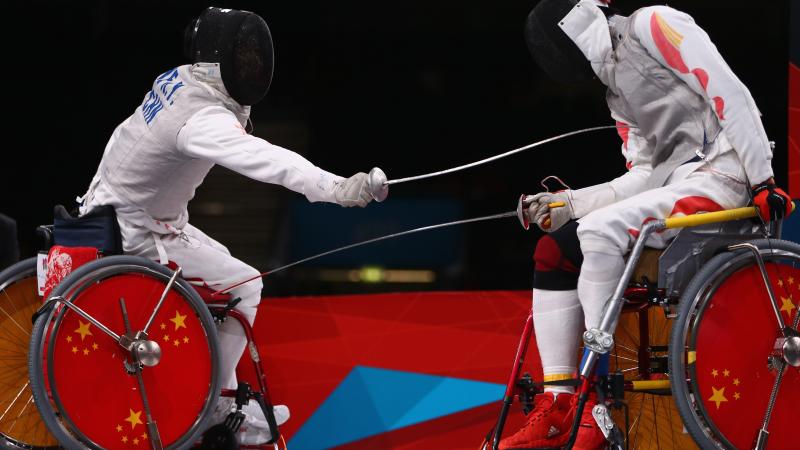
{"x":702,"y":342}
{"x":123,"y":354}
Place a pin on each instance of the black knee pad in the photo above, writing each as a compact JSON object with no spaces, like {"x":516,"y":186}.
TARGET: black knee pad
{"x":558,"y":259}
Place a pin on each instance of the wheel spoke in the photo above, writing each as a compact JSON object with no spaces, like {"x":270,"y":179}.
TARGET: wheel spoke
{"x":11,"y":404}
{"x":27,"y":404}
{"x":10,"y":300}
{"x":763,"y":433}
{"x":14,"y":321}
{"x":152,"y":428}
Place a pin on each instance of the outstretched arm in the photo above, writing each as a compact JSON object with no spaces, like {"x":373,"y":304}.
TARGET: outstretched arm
{"x":215,"y":134}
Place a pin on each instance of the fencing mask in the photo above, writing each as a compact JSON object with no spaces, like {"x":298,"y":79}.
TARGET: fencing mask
{"x":241,"y":43}
{"x":551,"y":48}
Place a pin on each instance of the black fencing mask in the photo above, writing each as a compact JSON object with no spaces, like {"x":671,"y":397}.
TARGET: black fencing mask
{"x":551,"y":48}
{"x":241,"y":43}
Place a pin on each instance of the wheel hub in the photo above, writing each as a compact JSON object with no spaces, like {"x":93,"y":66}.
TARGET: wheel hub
{"x":789,"y":350}
{"x":147,"y":352}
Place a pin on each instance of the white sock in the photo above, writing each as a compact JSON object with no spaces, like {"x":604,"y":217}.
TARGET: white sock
{"x":600,"y":273}
{"x":557,"y":322}
{"x":232,"y":340}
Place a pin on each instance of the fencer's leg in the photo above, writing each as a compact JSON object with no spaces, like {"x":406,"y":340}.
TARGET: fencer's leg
{"x":556,"y":308}
{"x":232,"y":339}
{"x":599,"y":276}
{"x":557,"y":321}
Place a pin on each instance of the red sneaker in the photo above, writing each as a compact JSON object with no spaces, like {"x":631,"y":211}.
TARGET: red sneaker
{"x":589,"y":435}
{"x":547,"y":426}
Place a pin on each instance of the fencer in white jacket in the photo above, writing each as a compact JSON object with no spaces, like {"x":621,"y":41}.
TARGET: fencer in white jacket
{"x":693,"y":142}
{"x":196,"y":116}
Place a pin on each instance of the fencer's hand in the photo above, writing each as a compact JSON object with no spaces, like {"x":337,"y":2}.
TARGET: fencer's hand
{"x":550,"y":218}
{"x":353,"y":191}
{"x":772,"y":202}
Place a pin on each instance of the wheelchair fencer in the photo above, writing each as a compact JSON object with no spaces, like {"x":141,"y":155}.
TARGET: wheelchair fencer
{"x":701,"y":339}
{"x":123,"y":353}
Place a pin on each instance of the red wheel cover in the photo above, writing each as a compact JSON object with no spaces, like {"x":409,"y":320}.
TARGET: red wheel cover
{"x":736,"y":334}
{"x":97,"y":393}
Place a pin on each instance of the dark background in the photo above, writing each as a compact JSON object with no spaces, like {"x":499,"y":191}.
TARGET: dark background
{"x":412,"y":87}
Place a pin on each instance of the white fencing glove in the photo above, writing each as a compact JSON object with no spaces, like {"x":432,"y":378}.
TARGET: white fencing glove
{"x":352,"y":191}
{"x":550,"y":210}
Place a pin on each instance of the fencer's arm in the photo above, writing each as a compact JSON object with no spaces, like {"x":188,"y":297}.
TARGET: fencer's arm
{"x":215,"y":134}
{"x":585,"y":200}
{"x":673,"y":38}
{"x":639,"y":166}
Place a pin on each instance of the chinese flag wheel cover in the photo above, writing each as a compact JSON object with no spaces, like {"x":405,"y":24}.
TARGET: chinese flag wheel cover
{"x":88,"y":375}
{"x":735,"y":334}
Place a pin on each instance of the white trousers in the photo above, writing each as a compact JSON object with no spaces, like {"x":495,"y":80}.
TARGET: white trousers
{"x":613,"y":229}
{"x":204,"y":259}
{"x":608,"y":233}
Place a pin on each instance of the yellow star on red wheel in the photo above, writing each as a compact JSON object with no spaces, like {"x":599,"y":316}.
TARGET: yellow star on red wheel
{"x":736,"y":382}
{"x":726,"y":373}
{"x":737,"y":395}
{"x":185,"y":340}
{"x":718,"y":397}
{"x":790,"y":280}
{"x":787,"y":305}
{"x":714,"y":373}
{"x":69,"y":338}
{"x":178,"y":320}
{"x":134,"y":419}
{"x":83,"y":330}
{"x":119,"y":428}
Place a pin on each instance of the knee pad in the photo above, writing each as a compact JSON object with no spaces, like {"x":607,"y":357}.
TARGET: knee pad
{"x":558,"y":260}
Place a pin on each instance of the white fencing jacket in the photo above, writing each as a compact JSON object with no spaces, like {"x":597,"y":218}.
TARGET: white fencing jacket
{"x":673,"y":97}
{"x":185,"y":125}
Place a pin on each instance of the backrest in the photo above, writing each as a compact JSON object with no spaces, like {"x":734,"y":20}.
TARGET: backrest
{"x":98,"y":229}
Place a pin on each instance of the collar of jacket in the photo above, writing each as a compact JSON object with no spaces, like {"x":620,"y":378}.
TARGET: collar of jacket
{"x":209,"y":75}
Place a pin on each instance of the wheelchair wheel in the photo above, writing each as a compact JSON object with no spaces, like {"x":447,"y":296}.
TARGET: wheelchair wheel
{"x":20,"y":423}
{"x":652,"y":421}
{"x":83,"y":381}
{"x":722,"y":348}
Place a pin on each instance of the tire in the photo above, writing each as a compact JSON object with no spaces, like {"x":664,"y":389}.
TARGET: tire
{"x":56,"y":380}
{"x":21,"y":427}
{"x":729,"y":286}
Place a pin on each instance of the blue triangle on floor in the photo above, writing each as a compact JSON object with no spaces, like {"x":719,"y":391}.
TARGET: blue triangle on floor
{"x":371,"y":401}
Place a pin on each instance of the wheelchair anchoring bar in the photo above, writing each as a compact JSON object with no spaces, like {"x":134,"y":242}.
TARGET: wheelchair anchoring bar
{"x":161,"y":300}
{"x":152,"y":428}
{"x":85,"y":315}
{"x":613,"y":307}
{"x":765,"y":277}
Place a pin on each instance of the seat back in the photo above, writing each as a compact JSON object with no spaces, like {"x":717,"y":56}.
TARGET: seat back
{"x":98,"y":229}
